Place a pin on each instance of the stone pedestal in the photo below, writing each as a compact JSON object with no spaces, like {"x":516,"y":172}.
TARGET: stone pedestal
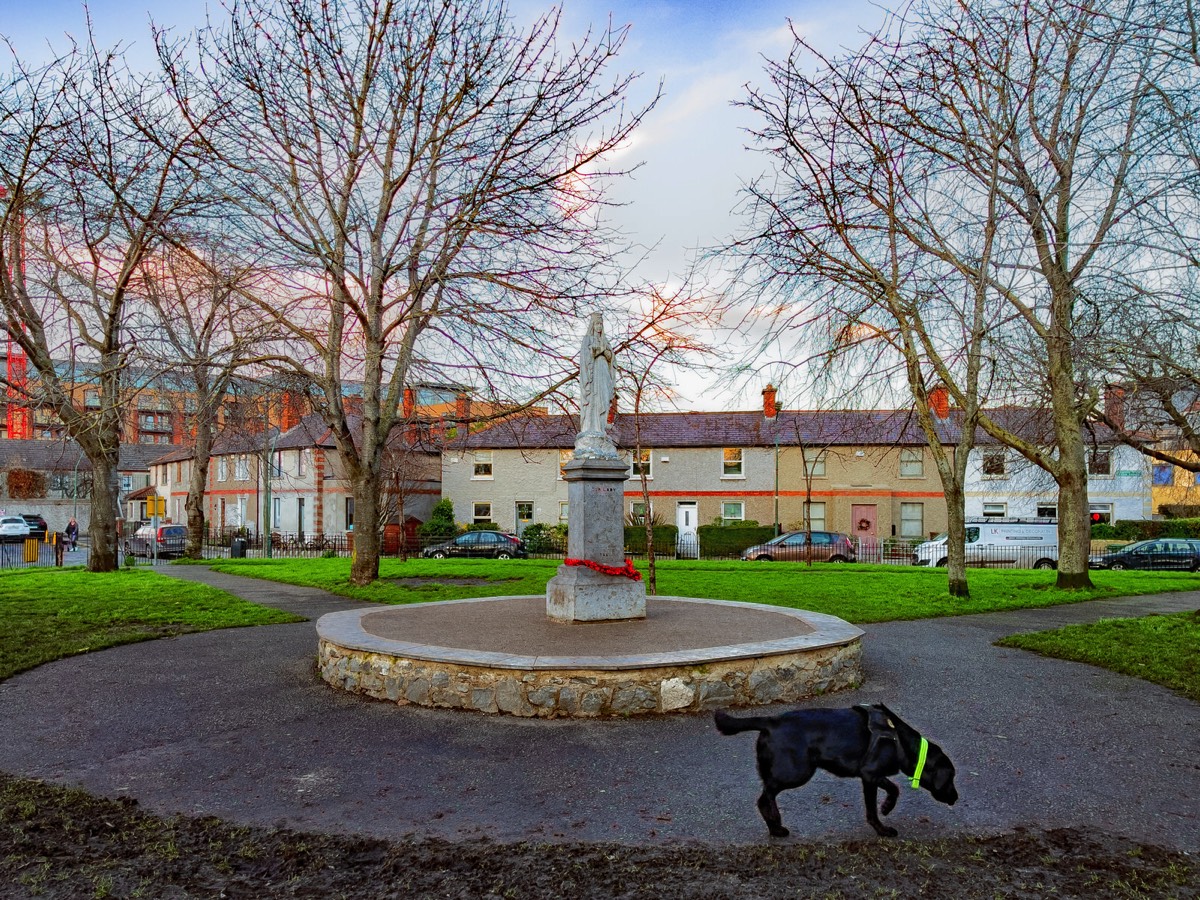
{"x":595,"y":532}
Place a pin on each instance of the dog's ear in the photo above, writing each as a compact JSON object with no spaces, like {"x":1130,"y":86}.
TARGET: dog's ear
{"x":879,"y":721}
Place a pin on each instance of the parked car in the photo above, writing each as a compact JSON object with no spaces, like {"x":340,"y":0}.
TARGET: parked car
{"x":1158,"y":553}
{"x":37,"y":525}
{"x":494,"y":544}
{"x":170,"y":540}
{"x":1024,"y":545}
{"x":827,"y":546}
{"x":13,"y":529}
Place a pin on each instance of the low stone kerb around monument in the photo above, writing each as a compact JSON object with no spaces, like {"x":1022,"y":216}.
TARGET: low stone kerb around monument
{"x":790,"y":655}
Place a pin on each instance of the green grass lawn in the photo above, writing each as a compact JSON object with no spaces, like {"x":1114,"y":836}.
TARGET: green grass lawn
{"x":859,"y":594}
{"x":48,"y":614}
{"x":1162,"y":649}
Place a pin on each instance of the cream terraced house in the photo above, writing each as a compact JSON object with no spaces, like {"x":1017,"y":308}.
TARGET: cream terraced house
{"x":864,"y":473}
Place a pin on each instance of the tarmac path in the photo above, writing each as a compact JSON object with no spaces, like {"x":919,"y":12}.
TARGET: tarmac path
{"x":236,"y":724}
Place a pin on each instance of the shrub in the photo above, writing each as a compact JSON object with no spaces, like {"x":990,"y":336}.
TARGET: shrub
{"x":26,"y":484}
{"x":665,"y":537}
{"x":723,"y":541}
{"x":542,"y":538}
{"x":483,"y":526}
{"x":441,"y":525}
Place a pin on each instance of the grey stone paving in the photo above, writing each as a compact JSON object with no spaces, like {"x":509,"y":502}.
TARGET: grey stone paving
{"x":236,"y":724}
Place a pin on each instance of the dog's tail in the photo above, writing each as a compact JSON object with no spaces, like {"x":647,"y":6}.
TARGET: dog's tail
{"x":727,"y":724}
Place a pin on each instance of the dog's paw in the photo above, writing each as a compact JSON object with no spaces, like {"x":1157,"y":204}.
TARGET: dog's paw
{"x":778,"y":831}
{"x":886,"y":831}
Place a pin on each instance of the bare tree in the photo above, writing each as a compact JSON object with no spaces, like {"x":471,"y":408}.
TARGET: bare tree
{"x":93,"y":162}
{"x":1016,"y":145}
{"x":427,"y":180}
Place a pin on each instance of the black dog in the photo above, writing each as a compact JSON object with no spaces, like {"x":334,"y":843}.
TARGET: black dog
{"x":867,"y":742}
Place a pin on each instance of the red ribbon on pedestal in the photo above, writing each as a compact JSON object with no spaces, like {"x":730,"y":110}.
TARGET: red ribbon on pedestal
{"x":627,"y":570}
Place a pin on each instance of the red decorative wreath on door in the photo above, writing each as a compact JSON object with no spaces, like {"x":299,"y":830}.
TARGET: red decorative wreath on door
{"x":864,"y":524}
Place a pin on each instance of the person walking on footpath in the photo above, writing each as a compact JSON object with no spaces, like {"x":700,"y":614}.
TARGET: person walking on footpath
{"x":73,"y":533}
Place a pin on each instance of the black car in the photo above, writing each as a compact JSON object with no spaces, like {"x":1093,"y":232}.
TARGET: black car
{"x":1157,"y":553}
{"x":37,"y":525}
{"x":493,"y":544}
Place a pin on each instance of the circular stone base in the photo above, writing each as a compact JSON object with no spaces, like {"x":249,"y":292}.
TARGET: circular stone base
{"x":503,"y":655}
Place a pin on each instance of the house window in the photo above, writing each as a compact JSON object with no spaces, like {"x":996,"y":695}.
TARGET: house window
{"x":1100,"y":462}
{"x":179,"y":471}
{"x":127,"y":482}
{"x":814,"y":516}
{"x":1047,"y":510}
{"x":482,"y":512}
{"x":995,"y":510}
{"x":994,"y":463}
{"x":643,"y":464}
{"x":276,"y":509}
{"x":222,"y":469}
{"x":301,"y":462}
{"x":814,"y":467}
{"x":1100,"y":512}
{"x":1163,"y":475}
{"x":483,"y":468}
{"x":349,"y":513}
{"x":912,"y":463}
{"x":243,"y":469}
{"x":732,"y":511}
{"x":731,"y":463}
{"x":299,"y":514}
{"x":637,"y":513}
{"x":564,"y":457}
{"x":562,"y":512}
{"x":912,"y":520}
{"x":277,"y":468}
{"x":91,"y":398}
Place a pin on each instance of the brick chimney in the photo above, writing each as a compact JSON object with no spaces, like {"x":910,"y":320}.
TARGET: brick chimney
{"x":409,"y":403}
{"x":1114,"y":405}
{"x":462,"y":408}
{"x":939,"y":401}
{"x":770,"y":410}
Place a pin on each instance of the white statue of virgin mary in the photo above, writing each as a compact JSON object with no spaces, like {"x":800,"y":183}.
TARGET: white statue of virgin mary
{"x":595,"y":393}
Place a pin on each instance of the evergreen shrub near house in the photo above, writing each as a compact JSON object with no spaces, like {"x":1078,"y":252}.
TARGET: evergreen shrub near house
{"x":542,"y":538}
{"x":483,"y":526}
{"x":717,"y":541}
{"x":665,"y":538}
{"x":1145,"y":529}
{"x":441,"y":525}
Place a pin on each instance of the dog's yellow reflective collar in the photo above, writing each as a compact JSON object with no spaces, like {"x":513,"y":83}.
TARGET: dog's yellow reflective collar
{"x":916,"y":776}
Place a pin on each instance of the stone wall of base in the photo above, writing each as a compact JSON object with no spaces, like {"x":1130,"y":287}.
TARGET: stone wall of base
{"x":779,"y":678}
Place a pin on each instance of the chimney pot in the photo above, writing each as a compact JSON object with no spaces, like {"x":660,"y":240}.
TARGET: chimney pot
{"x":939,"y":401}
{"x":770,"y":410}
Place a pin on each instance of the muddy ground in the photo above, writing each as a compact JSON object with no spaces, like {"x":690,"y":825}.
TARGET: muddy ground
{"x":59,"y":843}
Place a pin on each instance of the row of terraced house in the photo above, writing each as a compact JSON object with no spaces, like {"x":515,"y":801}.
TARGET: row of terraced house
{"x":867,"y":473}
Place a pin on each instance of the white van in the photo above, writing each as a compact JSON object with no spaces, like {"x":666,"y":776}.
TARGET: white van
{"x":1021,"y":545}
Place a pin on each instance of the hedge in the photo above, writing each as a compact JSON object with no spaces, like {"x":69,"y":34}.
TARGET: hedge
{"x":731,"y":540}
{"x":1144,"y":529}
{"x":665,"y":537}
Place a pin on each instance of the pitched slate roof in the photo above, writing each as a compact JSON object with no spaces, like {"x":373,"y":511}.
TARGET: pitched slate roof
{"x":65,"y":455}
{"x":717,"y":429}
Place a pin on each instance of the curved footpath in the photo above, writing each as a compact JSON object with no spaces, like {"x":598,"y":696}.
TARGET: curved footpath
{"x":236,"y":724}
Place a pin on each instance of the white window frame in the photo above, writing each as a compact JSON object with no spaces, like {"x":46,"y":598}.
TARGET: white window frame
{"x":222,"y":468}
{"x":1044,"y":505}
{"x":635,"y":464}
{"x":728,"y":462}
{"x":986,"y":455}
{"x":912,"y":526}
{"x":564,"y":457}
{"x":639,"y":518}
{"x":563,"y":508}
{"x":301,"y":468}
{"x":814,"y":466}
{"x":276,"y":511}
{"x":995,"y":510}
{"x":738,"y":507}
{"x":1094,"y":457}
{"x":814,"y":521}
{"x":482,"y":467}
{"x":481,"y":512}
{"x":912,"y":462}
{"x":242,"y":469}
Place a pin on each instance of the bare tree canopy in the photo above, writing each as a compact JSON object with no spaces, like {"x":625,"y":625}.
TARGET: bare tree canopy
{"x":95,"y":171}
{"x":426,"y":181}
{"x":981,"y":191}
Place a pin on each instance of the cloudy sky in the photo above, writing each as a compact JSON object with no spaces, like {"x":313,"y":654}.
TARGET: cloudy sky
{"x":692,"y":146}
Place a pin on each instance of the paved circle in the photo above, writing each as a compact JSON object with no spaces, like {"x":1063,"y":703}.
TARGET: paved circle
{"x":236,"y":724}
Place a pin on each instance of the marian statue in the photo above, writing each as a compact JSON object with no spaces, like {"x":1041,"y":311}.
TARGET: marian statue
{"x":595,"y":393}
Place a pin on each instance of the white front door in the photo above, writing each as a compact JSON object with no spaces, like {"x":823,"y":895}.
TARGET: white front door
{"x":687,"y":544}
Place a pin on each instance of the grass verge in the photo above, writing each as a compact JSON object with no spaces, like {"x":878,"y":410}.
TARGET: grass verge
{"x":48,"y":614}
{"x":1161,"y":649}
{"x":859,"y":594}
